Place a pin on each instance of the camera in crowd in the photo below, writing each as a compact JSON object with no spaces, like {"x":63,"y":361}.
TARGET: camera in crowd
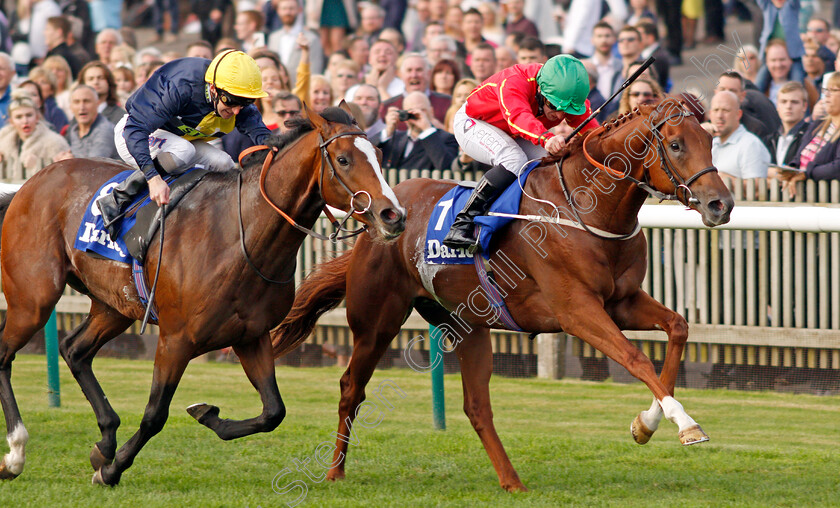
{"x":405,"y":115}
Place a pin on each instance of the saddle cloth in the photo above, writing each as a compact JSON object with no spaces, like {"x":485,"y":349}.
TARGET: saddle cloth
{"x":138,"y":225}
{"x":448,"y":206}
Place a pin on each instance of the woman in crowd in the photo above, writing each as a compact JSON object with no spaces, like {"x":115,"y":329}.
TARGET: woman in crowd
{"x":98,"y":76}
{"x":346,"y":75}
{"x":63,"y":81}
{"x":45,"y":82}
{"x":27,"y":145}
{"x":444,"y":76}
{"x":273,"y":84}
{"x":124,"y":79}
{"x":122,"y":56}
{"x":642,"y":90}
{"x":749,"y":66}
{"x":54,"y":117}
{"x":320,"y":93}
{"x":819,"y":149}
{"x":460,"y":92}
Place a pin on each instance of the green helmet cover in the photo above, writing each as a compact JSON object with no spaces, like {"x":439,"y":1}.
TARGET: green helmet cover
{"x":564,"y":82}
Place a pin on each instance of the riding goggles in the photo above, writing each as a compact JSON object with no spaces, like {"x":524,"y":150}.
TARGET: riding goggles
{"x":233,"y":100}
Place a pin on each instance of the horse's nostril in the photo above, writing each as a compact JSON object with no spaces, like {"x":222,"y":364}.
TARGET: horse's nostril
{"x":390,"y":216}
{"x":716,"y":206}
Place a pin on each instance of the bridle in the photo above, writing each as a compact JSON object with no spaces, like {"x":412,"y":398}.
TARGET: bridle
{"x":326,"y":161}
{"x":667,"y":166}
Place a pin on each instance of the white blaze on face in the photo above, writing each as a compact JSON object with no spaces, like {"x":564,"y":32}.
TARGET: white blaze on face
{"x":367,"y":148}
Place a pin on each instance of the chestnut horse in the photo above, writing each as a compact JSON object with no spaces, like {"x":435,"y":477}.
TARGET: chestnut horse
{"x":222,"y":246}
{"x":555,"y":278}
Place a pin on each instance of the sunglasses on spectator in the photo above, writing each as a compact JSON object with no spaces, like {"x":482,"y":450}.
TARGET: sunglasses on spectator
{"x":646,"y":95}
{"x":628,"y":39}
{"x":291,"y":112}
{"x":830,"y":91}
{"x":818,"y":30}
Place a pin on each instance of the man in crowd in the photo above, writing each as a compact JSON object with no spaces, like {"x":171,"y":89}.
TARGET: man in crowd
{"x":737,"y":153}
{"x":89,"y":134}
{"x":372,"y":21}
{"x":422,"y":146}
{"x":247,"y":27}
{"x":532,"y":50}
{"x":287,"y":106}
{"x":414,"y":72}
{"x":483,"y":62}
{"x":505,"y":57}
{"x":759,"y":114}
{"x":283,"y":41}
{"x":106,"y":40}
{"x":792,"y":105}
{"x":608,"y":67}
{"x":650,"y":44}
{"x":629,"y":47}
{"x":516,"y":20}
{"x":55,"y":35}
{"x":367,"y":98}
{"x":819,"y":30}
{"x":383,"y":71}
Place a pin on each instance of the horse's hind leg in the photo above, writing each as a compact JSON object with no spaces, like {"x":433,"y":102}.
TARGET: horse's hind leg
{"x":257,"y":361}
{"x":641,"y":312}
{"x":171,"y":359}
{"x":78,"y":349}
{"x":476,"y":356}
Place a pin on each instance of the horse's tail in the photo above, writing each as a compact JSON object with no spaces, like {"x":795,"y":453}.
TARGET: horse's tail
{"x":320,"y":292}
{"x":7,"y":192}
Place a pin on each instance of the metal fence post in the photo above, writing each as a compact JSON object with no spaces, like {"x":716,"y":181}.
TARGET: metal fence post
{"x":438,"y":406}
{"x":51,"y":343}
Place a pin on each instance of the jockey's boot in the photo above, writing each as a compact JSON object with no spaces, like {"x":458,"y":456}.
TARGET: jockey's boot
{"x":494,"y":182}
{"x":114,"y":204}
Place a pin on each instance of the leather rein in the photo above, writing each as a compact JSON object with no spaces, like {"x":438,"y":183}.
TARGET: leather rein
{"x":325,"y":161}
{"x":678,"y":181}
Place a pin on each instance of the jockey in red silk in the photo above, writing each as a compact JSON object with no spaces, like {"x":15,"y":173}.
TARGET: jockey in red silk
{"x":506,"y":122}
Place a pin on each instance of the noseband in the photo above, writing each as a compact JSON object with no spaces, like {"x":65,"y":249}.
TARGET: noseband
{"x":667,"y":167}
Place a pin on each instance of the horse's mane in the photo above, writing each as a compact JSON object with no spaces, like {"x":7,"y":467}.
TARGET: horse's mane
{"x":298,"y":127}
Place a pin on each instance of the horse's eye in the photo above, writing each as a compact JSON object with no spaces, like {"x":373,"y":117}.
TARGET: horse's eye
{"x":342,"y":160}
{"x":675,"y":146}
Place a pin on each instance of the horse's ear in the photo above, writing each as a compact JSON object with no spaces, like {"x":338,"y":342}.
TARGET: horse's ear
{"x":343,"y":105}
{"x":316,"y":119}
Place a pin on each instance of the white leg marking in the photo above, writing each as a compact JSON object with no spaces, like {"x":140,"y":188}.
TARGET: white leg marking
{"x":367,"y":148}
{"x":16,"y":457}
{"x":675,"y":412}
{"x":652,"y":416}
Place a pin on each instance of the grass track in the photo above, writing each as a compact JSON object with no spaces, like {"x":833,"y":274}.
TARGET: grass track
{"x":569,"y":441}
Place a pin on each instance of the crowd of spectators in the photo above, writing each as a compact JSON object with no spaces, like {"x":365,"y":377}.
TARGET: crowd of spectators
{"x":406,"y":66}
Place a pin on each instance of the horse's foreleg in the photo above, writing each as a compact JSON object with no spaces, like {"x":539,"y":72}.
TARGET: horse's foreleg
{"x":476,"y":356}
{"x":78,"y":349}
{"x":258,"y":363}
{"x":642,"y":312}
{"x":590,"y":322}
{"x":171,"y":360}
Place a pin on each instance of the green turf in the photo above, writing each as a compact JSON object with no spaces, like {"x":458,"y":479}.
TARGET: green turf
{"x":569,"y":441}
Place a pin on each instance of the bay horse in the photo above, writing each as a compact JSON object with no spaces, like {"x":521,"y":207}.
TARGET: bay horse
{"x":586,"y":283}
{"x":227,"y":277}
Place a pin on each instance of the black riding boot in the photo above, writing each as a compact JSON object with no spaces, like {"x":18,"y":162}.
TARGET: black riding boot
{"x":114,"y":204}
{"x":495,"y":181}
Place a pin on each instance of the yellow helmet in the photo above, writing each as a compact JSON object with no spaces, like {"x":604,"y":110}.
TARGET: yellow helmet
{"x":237,"y":74}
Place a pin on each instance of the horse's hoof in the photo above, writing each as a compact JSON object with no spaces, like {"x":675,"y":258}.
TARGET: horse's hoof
{"x":641,"y":433}
{"x":97,"y":459}
{"x":201,"y":412}
{"x":5,"y":474}
{"x":335,"y":475}
{"x":98,"y":479}
{"x":693,"y":435}
{"x":518,"y":487}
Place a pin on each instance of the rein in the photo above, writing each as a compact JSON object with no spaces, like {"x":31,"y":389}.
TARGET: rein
{"x":325,"y":161}
{"x":678,"y":181}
